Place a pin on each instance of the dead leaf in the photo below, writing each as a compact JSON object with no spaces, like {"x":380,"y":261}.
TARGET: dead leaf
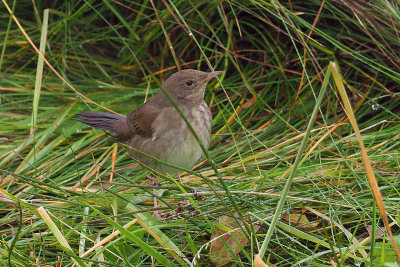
{"x":258,"y":262}
{"x":229,"y":239}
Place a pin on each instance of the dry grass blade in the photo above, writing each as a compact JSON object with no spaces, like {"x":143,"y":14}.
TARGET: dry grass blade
{"x":39,"y":70}
{"x":368,"y":168}
{"x":107,"y":239}
{"x":59,"y":236}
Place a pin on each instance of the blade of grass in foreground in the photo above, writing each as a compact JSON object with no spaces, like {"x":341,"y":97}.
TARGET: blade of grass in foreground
{"x":59,"y":236}
{"x":138,"y":241}
{"x":107,"y":239}
{"x":368,"y":168}
{"x":162,"y":238}
{"x":295,"y":165}
{"x":39,"y":71}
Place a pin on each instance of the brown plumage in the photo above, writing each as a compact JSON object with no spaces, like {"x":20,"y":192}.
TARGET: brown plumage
{"x":156,"y":128}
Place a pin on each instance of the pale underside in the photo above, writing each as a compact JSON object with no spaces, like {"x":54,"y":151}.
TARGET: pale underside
{"x":173,"y":141}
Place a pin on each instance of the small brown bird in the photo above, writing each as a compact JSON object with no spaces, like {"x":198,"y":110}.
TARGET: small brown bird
{"x":157,"y":129}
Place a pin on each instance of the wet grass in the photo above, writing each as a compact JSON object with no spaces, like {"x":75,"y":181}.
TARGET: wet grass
{"x":69,"y":196}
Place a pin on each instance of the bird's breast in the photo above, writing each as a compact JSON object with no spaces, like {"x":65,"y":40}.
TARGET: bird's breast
{"x":183,"y":149}
{"x":186,"y":148}
{"x":172,"y":140}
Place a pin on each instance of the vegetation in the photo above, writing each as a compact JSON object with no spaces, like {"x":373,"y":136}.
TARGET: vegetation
{"x":70,"y":197}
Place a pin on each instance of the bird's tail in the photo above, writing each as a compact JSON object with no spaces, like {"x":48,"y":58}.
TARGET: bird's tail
{"x":117,"y":124}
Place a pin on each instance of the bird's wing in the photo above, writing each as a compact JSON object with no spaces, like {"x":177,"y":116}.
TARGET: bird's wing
{"x":140,"y":121}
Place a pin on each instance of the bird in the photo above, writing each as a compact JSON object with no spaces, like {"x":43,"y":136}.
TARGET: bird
{"x":157,"y":129}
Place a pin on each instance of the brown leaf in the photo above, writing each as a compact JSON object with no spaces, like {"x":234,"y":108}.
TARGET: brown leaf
{"x":229,"y":238}
{"x":258,"y":262}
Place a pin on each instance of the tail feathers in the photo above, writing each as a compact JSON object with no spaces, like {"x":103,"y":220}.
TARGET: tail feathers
{"x":117,"y":124}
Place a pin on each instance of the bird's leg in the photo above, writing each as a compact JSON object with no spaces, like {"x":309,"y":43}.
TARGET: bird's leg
{"x":156,"y":213}
{"x":179,"y":178}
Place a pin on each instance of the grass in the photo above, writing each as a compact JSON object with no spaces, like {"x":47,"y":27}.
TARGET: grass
{"x":68,"y":196}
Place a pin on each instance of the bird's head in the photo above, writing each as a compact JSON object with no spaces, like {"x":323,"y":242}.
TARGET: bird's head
{"x":188,"y":85}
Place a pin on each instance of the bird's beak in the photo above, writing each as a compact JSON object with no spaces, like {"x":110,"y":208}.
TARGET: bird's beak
{"x":211,"y":75}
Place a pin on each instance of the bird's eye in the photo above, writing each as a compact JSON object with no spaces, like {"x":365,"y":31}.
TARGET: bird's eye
{"x":189,"y":83}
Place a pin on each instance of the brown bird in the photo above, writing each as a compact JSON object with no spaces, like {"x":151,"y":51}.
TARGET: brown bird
{"x":157,"y":129}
